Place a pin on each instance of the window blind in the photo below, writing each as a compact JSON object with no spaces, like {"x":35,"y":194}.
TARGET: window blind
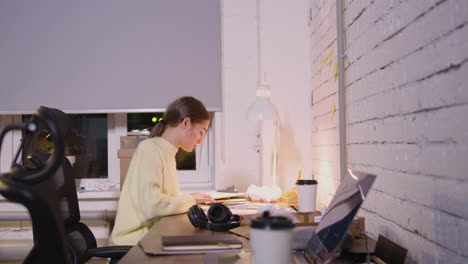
{"x":108,"y":56}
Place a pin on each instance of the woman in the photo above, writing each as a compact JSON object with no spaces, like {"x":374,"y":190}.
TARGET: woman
{"x":151,"y":189}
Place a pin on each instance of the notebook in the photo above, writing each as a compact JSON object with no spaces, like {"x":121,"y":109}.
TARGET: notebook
{"x":201,"y":242}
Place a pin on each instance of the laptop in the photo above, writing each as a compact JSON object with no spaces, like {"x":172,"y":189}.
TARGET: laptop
{"x":325,"y":241}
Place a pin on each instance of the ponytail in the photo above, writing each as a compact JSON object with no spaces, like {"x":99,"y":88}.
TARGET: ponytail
{"x":158,"y":129}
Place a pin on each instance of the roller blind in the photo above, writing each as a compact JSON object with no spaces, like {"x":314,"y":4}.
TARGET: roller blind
{"x":108,"y":55}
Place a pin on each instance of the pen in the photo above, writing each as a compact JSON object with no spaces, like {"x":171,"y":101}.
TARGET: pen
{"x":293,"y":207}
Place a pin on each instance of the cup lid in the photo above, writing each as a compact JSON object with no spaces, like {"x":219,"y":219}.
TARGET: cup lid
{"x":271,"y":222}
{"x":306,"y":182}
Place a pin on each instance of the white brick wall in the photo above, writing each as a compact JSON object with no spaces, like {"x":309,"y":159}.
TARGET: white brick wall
{"x":407,"y":118}
{"x":325,"y":141}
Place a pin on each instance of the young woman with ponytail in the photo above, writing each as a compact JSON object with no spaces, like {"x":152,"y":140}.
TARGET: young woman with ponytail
{"x":151,"y":189}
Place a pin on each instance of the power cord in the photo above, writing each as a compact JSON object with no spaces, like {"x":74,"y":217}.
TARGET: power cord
{"x":366,"y":241}
{"x":368,"y":256}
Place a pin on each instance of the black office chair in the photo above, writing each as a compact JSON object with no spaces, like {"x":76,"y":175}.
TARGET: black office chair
{"x":43,"y":183}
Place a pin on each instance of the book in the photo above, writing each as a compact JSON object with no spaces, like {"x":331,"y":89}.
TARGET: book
{"x":224,"y":195}
{"x":201,"y":242}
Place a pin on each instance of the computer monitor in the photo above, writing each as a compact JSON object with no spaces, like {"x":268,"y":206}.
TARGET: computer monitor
{"x":324,"y":243}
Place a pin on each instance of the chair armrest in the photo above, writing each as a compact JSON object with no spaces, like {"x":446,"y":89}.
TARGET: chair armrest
{"x":114,"y":252}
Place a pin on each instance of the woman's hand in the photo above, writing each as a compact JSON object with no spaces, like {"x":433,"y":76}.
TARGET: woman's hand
{"x":202,"y":198}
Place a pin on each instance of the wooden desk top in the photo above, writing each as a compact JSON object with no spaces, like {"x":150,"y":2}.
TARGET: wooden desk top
{"x":180,"y":225}
{"x":167,"y":226}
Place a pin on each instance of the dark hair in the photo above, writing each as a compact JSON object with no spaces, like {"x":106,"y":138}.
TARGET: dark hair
{"x":181,"y":108}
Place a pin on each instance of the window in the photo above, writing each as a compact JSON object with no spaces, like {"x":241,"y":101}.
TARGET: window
{"x":140,"y":124}
{"x":86,"y":148}
{"x":194,"y":168}
{"x":99,"y":137}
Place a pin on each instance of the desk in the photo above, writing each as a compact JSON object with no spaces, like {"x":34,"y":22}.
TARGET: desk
{"x":169,"y":226}
{"x":178,"y":225}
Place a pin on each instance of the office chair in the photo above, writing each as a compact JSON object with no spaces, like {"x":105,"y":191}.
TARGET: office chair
{"x":43,"y":183}
{"x":16,"y":186}
{"x":79,"y":238}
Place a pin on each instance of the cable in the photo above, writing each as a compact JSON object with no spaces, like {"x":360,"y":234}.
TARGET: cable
{"x":368,"y":257}
{"x":366,"y":241}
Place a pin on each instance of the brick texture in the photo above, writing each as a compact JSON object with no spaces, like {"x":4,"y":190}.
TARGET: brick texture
{"x":325,"y":154}
{"x":407,"y":115}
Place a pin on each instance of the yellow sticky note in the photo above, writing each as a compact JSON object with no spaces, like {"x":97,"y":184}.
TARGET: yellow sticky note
{"x":327,"y":58}
{"x":334,"y":110}
{"x":335,"y":70}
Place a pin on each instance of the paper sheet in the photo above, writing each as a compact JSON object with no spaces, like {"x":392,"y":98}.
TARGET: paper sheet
{"x":224,"y":195}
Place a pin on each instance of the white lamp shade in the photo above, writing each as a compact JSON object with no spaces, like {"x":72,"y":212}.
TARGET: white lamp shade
{"x":262,"y":109}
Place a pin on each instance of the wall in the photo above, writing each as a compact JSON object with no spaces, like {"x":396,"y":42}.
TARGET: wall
{"x":324,"y":85}
{"x":285,"y":60}
{"x":235,"y":135}
{"x":284,"y":55}
{"x":406,"y":117}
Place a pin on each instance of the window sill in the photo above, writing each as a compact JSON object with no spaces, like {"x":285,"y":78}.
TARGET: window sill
{"x":85,"y":195}
{"x":111,"y":194}
{"x":115,"y":193}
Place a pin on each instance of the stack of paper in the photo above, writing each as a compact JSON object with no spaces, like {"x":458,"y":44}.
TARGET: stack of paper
{"x":225,"y":195}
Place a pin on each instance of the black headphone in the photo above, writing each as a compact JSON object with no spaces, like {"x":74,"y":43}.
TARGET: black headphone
{"x":219,"y":215}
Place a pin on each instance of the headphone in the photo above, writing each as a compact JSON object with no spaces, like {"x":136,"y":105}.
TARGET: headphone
{"x":219,"y":216}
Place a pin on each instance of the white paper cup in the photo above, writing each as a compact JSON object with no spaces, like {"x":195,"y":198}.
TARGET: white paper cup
{"x":306,"y":194}
{"x":271,"y":239}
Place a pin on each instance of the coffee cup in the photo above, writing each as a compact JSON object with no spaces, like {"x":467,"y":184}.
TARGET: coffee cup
{"x":306,"y":194}
{"x":271,"y":239}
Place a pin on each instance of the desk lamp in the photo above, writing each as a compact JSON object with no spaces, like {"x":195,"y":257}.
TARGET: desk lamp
{"x":262,"y":108}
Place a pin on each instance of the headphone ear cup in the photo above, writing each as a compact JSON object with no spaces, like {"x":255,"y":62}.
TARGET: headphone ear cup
{"x":201,"y":214}
{"x":197,"y":217}
{"x":220,"y":216}
{"x":219,"y":213}
{"x":235,"y":218}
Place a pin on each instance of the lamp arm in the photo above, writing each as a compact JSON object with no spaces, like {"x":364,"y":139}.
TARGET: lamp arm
{"x":275,"y":153}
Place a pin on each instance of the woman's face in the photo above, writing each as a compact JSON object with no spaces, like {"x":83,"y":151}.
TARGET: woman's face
{"x":195,"y":133}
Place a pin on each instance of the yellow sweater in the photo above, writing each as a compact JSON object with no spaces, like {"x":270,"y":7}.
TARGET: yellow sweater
{"x":150,"y":191}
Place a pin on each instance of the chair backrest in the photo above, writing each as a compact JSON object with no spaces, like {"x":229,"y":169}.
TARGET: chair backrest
{"x":44,"y":184}
{"x":61,"y":193}
{"x":19,"y":185}
{"x":78,"y":236}
{"x":49,"y":246}
{"x":60,"y":190}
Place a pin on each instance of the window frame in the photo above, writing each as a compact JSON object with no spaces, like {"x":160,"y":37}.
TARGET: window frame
{"x":197,"y":180}
{"x":11,"y":141}
{"x":190,"y":180}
